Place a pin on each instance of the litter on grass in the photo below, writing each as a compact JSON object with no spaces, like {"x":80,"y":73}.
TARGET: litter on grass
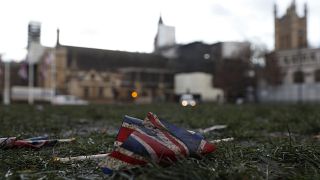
{"x":34,"y":143}
{"x":140,"y":142}
{"x":102,"y":156}
{"x":212,"y":128}
{"x":153,"y":140}
{"x":80,"y":158}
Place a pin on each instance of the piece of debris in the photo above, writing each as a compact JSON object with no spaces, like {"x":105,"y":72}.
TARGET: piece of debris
{"x":101,"y":156}
{"x":317,"y":136}
{"x":35,"y":142}
{"x":8,"y":174}
{"x":222,"y":140}
{"x":139,"y":142}
{"x":152,"y":140}
{"x":212,"y":128}
{"x":80,"y":158}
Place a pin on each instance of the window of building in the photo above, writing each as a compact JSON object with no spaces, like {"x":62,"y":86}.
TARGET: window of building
{"x":86,"y":92}
{"x":317,"y":75}
{"x":286,"y":60}
{"x":313,"y":56}
{"x":101,"y":92}
{"x":294,"y":59}
{"x":107,"y":78}
{"x":298,"y":77}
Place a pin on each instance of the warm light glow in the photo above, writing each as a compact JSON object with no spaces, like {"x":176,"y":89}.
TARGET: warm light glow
{"x":134,"y":94}
{"x":184,"y":103}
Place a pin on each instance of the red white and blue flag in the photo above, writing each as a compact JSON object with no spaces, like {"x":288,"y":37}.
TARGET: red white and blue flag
{"x":23,"y":70}
{"x":34,"y":143}
{"x":153,"y":140}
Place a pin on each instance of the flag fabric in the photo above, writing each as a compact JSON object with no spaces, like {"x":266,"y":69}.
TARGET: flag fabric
{"x":23,"y":70}
{"x":153,"y":140}
{"x":35,"y":142}
{"x":45,"y":66}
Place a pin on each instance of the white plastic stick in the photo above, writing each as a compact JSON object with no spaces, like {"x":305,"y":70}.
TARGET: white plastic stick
{"x":212,"y":128}
{"x":80,"y":158}
{"x":222,"y":140}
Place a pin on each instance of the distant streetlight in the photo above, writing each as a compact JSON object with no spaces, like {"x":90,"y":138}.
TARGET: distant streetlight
{"x":134,"y":94}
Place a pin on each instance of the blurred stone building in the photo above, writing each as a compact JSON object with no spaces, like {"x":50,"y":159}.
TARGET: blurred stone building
{"x":227,"y":63}
{"x":292,"y":76}
{"x":102,"y":76}
{"x":165,"y":40}
{"x":98,"y":75}
{"x":293,"y":69}
{"x":290,"y":29}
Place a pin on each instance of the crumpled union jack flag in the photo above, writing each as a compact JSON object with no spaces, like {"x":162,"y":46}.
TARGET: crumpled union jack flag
{"x":35,"y":142}
{"x":153,"y":140}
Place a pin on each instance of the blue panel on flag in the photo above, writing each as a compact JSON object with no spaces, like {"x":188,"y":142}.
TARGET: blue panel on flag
{"x":133,"y":145}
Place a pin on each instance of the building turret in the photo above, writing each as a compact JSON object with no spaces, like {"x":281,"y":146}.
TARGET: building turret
{"x":290,"y":29}
{"x":275,"y":11}
{"x":58,"y":38}
{"x":305,"y":10}
{"x":160,"y":20}
{"x":34,"y":33}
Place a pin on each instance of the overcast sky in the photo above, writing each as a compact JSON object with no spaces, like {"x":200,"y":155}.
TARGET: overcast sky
{"x":131,"y":25}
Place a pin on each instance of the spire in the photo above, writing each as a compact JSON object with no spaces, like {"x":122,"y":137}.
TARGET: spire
{"x":275,"y":10}
{"x":160,"y":20}
{"x":305,"y":9}
{"x":58,"y":38}
{"x":293,"y":4}
{"x":292,"y":8}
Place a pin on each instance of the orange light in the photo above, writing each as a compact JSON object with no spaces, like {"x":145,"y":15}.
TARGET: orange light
{"x":134,"y":94}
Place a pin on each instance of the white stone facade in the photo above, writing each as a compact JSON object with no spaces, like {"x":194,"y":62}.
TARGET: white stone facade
{"x":306,"y":61}
{"x":197,"y":83}
{"x":166,"y":36}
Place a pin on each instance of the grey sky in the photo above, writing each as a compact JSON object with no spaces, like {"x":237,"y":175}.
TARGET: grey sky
{"x":131,"y":25}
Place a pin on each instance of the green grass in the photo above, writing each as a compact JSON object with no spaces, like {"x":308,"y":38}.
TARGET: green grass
{"x":270,"y":141}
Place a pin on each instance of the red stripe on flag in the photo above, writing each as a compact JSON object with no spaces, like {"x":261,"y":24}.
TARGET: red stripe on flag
{"x":123,"y":134}
{"x":208,"y":148}
{"x":126,"y":158}
{"x":21,"y":143}
{"x":161,"y":150}
{"x":174,"y":141}
{"x":155,"y":121}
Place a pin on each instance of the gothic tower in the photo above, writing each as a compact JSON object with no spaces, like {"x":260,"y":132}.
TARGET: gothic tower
{"x":34,"y":32}
{"x":290,"y":29}
{"x":165,"y":37}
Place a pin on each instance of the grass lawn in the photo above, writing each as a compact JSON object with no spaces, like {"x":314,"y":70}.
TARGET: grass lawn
{"x":270,"y":141}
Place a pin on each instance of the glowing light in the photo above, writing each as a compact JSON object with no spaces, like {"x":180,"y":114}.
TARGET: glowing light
{"x":184,"y":103}
{"x":134,"y":94}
